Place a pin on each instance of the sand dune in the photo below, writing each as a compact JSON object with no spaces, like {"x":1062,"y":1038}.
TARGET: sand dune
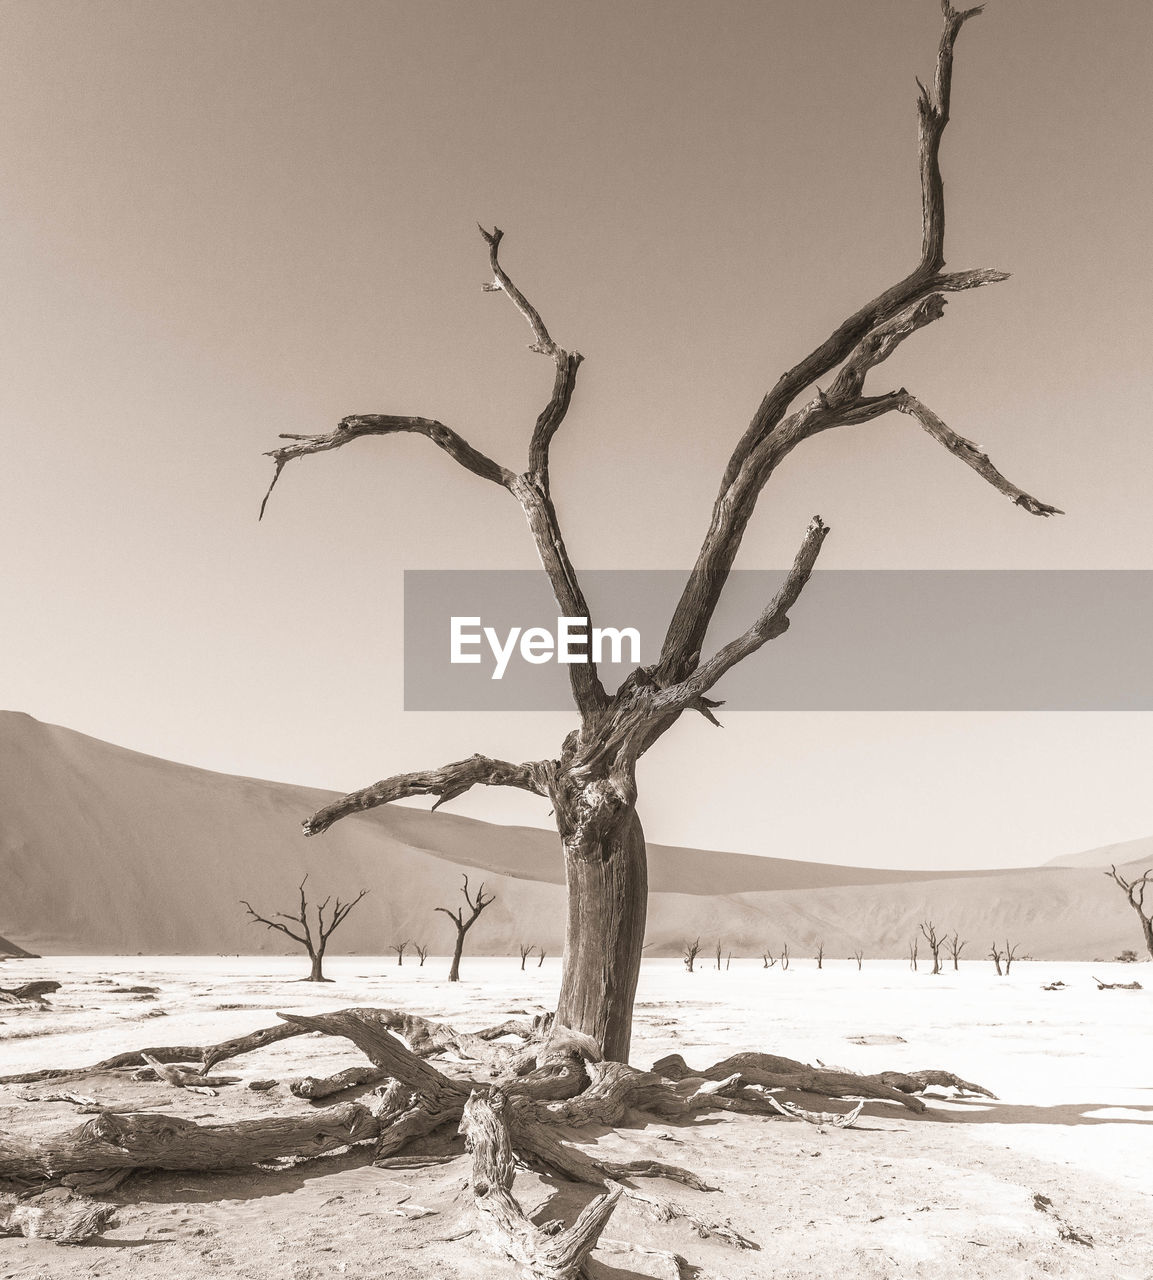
{"x":106,"y":850}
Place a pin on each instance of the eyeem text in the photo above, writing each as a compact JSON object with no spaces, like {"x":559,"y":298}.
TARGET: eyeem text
{"x":571,"y":643}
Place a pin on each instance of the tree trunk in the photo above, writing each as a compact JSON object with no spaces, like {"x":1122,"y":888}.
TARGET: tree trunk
{"x":607,"y":880}
{"x":458,"y":951}
{"x":1147,"y":929}
{"x":317,"y":958}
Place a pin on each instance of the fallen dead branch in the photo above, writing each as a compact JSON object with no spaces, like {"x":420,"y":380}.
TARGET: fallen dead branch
{"x":57,"y":1214}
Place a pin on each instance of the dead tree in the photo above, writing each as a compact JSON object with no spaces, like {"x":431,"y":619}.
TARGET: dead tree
{"x":996,"y":955}
{"x":956,"y":945}
{"x":475,"y":905}
{"x":591,"y":783}
{"x":859,"y":957}
{"x":820,"y":956}
{"x":913,"y":954}
{"x":314,"y":943}
{"x":525,"y":952}
{"x":1010,"y":956}
{"x":691,"y":951}
{"x":400,"y":948}
{"x":929,"y":933}
{"x":718,"y":953}
{"x":422,"y":953}
{"x":1134,"y":890}
{"x":784,"y":955}
{"x":769,"y":959}
{"x":540,"y":958}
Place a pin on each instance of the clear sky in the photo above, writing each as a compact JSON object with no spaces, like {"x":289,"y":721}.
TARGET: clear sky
{"x":225,"y":220}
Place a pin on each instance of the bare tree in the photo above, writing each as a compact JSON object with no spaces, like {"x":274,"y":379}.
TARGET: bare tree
{"x":475,"y":905}
{"x":820,"y":956}
{"x":728,"y":961}
{"x":956,"y":945}
{"x":422,"y":953}
{"x":784,"y":955}
{"x":929,"y":933}
{"x":314,"y":943}
{"x":996,"y":955}
{"x":400,"y":948}
{"x":691,"y":951}
{"x":1010,"y":956}
{"x":859,"y":957}
{"x":913,"y":954}
{"x":540,"y":958}
{"x":525,"y":952}
{"x":769,"y":959}
{"x":718,"y":953}
{"x":1134,"y":890}
{"x":591,"y":783}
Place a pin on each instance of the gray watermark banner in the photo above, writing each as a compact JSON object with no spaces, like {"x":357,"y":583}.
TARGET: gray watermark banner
{"x":867,"y":640}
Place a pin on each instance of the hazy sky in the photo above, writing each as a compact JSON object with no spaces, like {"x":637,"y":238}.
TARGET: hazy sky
{"x":226,"y":220}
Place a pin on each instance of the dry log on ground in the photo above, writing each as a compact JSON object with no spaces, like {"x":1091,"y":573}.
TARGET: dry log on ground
{"x":148,"y":1141}
{"x":57,"y":1214}
{"x":1116,"y":986}
{"x":919,"y":1081}
{"x":544,"y":1252}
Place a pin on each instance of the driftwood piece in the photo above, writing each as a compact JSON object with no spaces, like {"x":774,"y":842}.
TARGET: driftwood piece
{"x":918,"y":1081}
{"x":57,"y":1214}
{"x":148,"y":1141}
{"x":543,"y":1252}
{"x":1116,"y":986}
{"x":32,"y":992}
{"x":324,"y":1086}
{"x":206,"y":1055}
{"x":839,"y":1120}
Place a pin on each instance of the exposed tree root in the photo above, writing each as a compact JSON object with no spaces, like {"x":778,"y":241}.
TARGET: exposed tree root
{"x":545,"y":1252}
{"x":207,"y":1055}
{"x":557,"y":1080}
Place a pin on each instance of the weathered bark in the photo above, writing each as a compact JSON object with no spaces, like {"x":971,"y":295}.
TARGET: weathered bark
{"x":148,"y":1141}
{"x":316,"y":1087}
{"x":607,"y":878}
{"x":545,"y":1254}
{"x":29,"y":992}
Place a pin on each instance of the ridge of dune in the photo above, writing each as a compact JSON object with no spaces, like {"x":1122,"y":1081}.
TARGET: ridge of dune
{"x":108,"y":850}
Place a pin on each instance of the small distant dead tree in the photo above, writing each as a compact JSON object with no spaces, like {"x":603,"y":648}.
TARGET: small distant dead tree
{"x":421,"y":951}
{"x":1010,"y":956}
{"x":785,"y":956}
{"x":769,"y":959}
{"x":913,"y":954}
{"x":728,"y":960}
{"x":475,"y":905}
{"x":400,"y":948}
{"x":540,"y":960}
{"x":929,"y":933}
{"x":820,"y":956}
{"x":692,"y":949}
{"x":859,"y":957}
{"x":996,"y":955}
{"x":956,"y":945}
{"x":525,"y":952}
{"x":314,"y":944}
{"x":718,"y":954}
{"x":1134,"y":890}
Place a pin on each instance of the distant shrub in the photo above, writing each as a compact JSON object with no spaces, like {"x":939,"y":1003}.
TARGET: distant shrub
{"x":1128,"y":957}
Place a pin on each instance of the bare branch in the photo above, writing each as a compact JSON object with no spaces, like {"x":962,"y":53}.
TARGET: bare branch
{"x":760,"y":449}
{"x":773,"y":621}
{"x":376,"y":424}
{"x":972,"y":455}
{"x":272,"y":924}
{"x":340,"y":914}
{"x":446,"y":783}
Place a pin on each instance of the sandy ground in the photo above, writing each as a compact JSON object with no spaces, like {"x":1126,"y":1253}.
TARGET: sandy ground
{"x":947,"y":1194}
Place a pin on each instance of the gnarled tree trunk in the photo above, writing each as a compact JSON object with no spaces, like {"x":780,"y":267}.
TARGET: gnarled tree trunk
{"x":607,"y":879}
